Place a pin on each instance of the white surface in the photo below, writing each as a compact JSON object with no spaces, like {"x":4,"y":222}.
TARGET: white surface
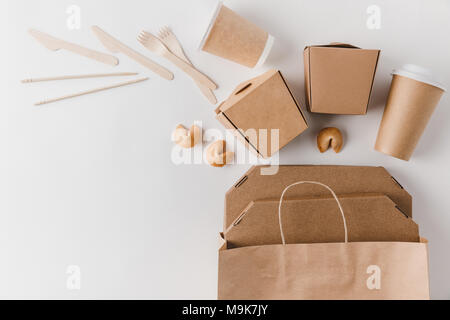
{"x":90,"y":181}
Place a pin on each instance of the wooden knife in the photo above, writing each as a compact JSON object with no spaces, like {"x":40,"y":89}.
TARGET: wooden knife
{"x":56,"y":44}
{"x":116,"y":46}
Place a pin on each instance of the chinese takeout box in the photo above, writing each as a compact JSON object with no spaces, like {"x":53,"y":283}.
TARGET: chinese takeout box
{"x":339,"y":78}
{"x":263,"y":114}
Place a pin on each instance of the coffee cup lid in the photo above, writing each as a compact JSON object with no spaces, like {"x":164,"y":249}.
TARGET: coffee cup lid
{"x":419,"y":73}
{"x":210,"y":10}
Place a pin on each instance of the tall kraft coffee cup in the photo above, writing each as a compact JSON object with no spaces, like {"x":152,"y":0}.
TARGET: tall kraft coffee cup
{"x":412,"y":100}
{"x":232,"y":37}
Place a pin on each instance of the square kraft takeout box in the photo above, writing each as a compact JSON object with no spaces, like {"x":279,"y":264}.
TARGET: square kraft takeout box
{"x":343,"y":180}
{"x":317,"y":219}
{"x":263,"y":114}
{"x":339,"y":78}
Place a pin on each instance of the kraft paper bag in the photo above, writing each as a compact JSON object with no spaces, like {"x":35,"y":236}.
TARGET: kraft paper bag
{"x":331,"y":271}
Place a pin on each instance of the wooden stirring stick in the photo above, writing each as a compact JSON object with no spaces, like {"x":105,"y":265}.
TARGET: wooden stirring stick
{"x":83,"y":76}
{"x":90,"y":91}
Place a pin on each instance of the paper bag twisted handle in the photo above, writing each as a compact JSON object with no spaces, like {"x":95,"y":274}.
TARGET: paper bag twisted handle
{"x":317,"y":183}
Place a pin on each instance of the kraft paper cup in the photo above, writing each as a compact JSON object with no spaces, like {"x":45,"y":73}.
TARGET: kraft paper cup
{"x":232,"y":37}
{"x":412,"y":100}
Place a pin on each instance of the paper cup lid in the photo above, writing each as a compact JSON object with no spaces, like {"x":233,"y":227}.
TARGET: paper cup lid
{"x":266,"y":52}
{"x":210,"y":11}
{"x":419,"y":73}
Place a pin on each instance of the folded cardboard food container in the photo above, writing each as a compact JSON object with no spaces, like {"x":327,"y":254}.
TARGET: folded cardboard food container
{"x":263,"y":113}
{"x":369,"y":217}
{"x":341,"y":179}
{"x":339,"y":78}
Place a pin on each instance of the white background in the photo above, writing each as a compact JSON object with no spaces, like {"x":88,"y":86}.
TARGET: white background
{"x":90,"y":181}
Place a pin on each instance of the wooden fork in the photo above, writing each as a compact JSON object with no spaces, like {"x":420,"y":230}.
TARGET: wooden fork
{"x":170,"y":40}
{"x":156,"y":46}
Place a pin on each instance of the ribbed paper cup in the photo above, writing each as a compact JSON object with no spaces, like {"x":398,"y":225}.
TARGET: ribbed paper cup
{"x":412,"y":100}
{"x":232,"y":37}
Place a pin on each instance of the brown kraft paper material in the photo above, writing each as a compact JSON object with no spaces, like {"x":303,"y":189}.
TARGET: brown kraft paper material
{"x":408,"y":110}
{"x":339,"y":78}
{"x":331,"y":271}
{"x":263,"y":113}
{"x":342,"y":179}
{"x":234,"y":38}
{"x":324,"y":271}
{"x":370,"y":217}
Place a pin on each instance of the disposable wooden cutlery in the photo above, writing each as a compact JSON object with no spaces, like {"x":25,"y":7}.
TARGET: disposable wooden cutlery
{"x":55,"y":44}
{"x":116,"y":46}
{"x":171,"y":41}
{"x":82,"y":76}
{"x":157,"y":46}
{"x":90,"y":91}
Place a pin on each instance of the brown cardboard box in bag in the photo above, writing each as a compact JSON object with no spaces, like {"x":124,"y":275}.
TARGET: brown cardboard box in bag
{"x":339,"y":78}
{"x":342,"y":179}
{"x":369,"y":217}
{"x":263,"y":114}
